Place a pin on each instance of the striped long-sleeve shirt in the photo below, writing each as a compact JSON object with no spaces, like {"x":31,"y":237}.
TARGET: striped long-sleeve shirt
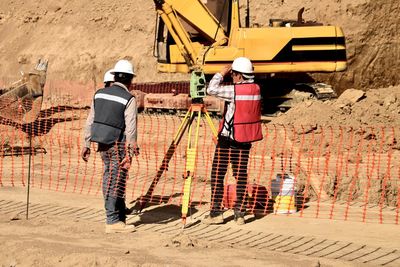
{"x":226,"y":93}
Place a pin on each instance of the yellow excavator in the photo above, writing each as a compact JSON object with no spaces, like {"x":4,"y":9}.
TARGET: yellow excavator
{"x":207,"y":34}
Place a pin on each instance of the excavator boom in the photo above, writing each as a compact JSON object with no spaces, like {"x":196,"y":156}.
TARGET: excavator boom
{"x":197,"y":15}
{"x":178,"y":16}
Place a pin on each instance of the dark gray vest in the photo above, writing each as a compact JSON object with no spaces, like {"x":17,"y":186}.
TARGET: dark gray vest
{"x":109,"y":120}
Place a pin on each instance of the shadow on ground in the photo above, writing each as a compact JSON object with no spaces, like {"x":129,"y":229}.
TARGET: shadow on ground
{"x":162,"y":214}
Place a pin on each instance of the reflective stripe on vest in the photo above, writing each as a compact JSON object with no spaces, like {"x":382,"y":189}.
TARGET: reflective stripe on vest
{"x":109,"y":116}
{"x":114,"y":98}
{"x":248,"y":97}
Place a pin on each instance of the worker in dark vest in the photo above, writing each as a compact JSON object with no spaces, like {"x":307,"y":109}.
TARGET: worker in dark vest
{"x":112,"y":124}
{"x":239,"y":127}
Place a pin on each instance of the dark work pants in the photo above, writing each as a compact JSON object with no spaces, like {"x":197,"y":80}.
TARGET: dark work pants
{"x":229,"y":151}
{"x":114,"y":182}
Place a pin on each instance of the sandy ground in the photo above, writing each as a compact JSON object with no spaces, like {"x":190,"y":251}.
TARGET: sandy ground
{"x":68,"y":230}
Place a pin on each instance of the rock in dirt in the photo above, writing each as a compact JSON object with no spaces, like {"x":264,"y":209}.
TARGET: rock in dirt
{"x":185,"y":241}
{"x":127,"y":27}
{"x":389,"y":100}
{"x":350,"y":97}
{"x":16,"y":217}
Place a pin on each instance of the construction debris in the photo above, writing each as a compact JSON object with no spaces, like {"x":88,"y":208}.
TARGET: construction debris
{"x":22,"y":100}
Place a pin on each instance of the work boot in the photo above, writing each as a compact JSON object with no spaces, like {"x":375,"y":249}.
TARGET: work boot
{"x":239,"y":217}
{"x":213,"y":219}
{"x":240,"y":220}
{"x":119,"y":227}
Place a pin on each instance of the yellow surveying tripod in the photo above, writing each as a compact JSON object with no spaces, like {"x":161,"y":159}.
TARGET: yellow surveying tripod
{"x":196,"y":111}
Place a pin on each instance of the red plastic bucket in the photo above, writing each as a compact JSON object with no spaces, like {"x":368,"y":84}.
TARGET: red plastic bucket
{"x":257,"y":196}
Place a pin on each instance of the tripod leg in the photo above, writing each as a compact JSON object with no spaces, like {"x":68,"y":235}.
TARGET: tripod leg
{"x":210,"y":123}
{"x":191,"y":153}
{"x":167,"y":157}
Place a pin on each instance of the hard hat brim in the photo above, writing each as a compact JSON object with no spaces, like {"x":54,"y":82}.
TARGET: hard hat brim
{"x":248,"y":76}
{"x":132,"y":73}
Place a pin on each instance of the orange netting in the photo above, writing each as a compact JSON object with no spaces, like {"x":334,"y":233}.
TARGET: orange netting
{"x":310,"y":171}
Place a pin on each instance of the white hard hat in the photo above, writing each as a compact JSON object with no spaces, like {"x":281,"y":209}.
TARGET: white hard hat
{"x":123,"y":66}
{"x":108,"y":76}
{"x":243,"y":65}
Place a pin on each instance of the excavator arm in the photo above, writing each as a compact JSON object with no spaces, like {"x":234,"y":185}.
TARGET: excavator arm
{"x":194,"y":13}
{"x":176,"y":13}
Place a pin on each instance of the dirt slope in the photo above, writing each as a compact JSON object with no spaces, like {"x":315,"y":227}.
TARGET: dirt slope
{"x":84,"y":38}
{"x":80,"y":38}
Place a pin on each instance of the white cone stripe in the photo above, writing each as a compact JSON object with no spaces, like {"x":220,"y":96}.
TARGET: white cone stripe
{"x":118,"y":99}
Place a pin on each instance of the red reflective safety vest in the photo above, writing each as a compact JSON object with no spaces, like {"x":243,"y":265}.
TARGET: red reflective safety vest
{"x":246,"y":121}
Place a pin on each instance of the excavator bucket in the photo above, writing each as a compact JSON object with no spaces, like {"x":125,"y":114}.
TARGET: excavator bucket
{"x":22,"y":100}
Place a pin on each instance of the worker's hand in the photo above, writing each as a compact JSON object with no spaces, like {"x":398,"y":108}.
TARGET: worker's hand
{"x":126,"y":163}
{"x":133,"y":150}
{"x":136,"y":151}
{"x":225,"y":70}
{"x":85,"y":153}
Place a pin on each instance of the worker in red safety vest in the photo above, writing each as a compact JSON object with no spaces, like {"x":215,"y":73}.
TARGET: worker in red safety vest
{"x":239,"y":127}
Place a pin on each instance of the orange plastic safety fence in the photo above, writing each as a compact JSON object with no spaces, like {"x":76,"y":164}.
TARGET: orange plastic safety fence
{"x":330,"y":172}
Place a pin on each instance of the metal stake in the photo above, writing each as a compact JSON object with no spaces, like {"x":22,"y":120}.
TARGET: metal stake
{"x":29,"y":175}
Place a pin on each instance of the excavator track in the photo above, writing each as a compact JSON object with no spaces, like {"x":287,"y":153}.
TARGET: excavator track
{"x":170,"y":98}
{"x":173,"y":97}
{"x":284,"y":92}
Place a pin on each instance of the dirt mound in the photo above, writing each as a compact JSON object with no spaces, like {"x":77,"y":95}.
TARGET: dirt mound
{"x":357,"y":123}
{"x":354,"y":108}
{"x":82,"y":39}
